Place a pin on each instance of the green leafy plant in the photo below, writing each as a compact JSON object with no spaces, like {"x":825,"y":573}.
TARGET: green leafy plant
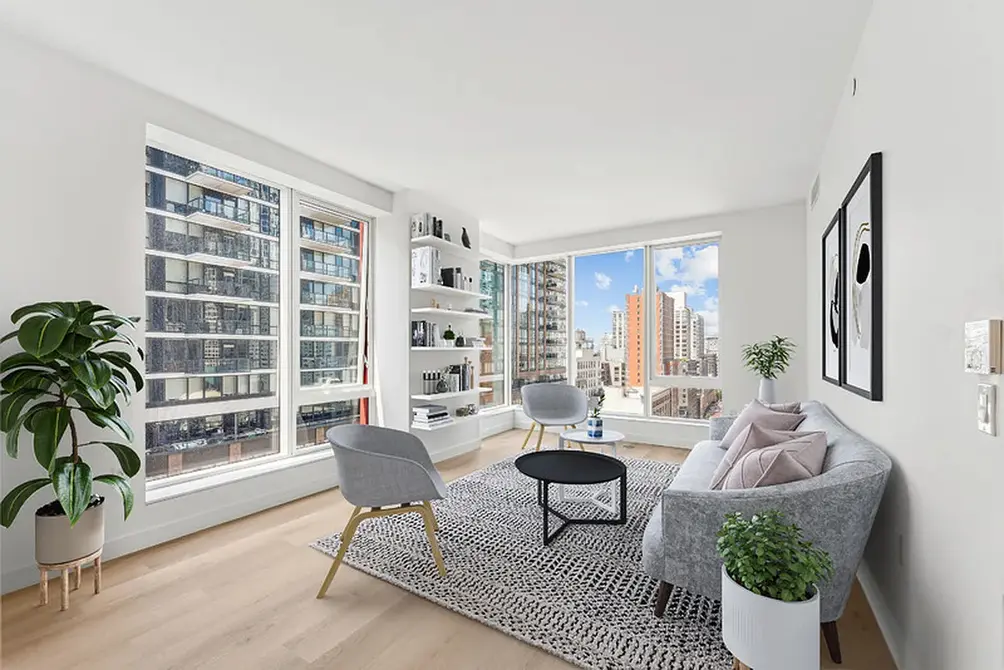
{"x":768,"y":557}
{"x":598,"y":404}
{"x":76,"y":364}
{"x":769,"y":359}
{"x":448,"y":334}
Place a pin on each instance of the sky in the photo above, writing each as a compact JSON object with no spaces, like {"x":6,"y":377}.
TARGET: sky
{"x":603,"y":280}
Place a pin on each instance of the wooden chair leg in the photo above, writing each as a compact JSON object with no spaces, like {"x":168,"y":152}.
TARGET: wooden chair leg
{"x":832,"y":640}
{"x":662,"y":598}
{"x":76,"y":576}
{"x":350,"y":530}
{"x":64,"y":589}
{"x":43,"y":587}
{"x":97,"y":575}
{"x":526,"y":439}
{"x":430,"y":525}
{"x":540,"y":436}
{"x":435,"y":522}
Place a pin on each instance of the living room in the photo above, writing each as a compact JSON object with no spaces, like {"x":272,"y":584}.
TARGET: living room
{"x":654,"y":214}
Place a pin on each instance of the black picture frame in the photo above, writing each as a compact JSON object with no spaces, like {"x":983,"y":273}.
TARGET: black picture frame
{"x":866,"y":260}
{"x":832,"y":304}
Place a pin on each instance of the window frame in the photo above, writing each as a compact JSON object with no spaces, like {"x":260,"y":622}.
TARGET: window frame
{"x":288,"y":395}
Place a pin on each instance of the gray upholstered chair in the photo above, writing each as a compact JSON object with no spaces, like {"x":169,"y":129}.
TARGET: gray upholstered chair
{"x":550,"y":404}
{"x":835,"y":510}
{"x":388,"y":471}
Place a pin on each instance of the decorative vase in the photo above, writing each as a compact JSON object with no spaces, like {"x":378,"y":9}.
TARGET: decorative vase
{"x":594,"y":426}
{"x":766,"y":395}
{"x":56,"y":541}
{"x":465,"y":238}
{"x":765,"y":633}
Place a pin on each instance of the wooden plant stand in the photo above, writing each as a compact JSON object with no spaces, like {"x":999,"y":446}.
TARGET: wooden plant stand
{"x":64,"y":578}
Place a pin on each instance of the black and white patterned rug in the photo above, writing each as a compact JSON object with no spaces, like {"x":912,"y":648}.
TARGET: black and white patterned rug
{"x":584,"y":598}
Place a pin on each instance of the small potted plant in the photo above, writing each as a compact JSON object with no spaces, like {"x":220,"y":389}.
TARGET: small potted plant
{"x":449,"y":336}
{"x":594,"y":424}
{"x":769,"y":360}
{"x":76,"y":365}
{"x":770,"y":593}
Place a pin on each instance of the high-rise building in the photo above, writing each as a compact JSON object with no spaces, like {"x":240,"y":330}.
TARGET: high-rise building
{"x":618,"y":329}
{"x":539,"y":331}
{"x":664,"y":337}
{"x":588,"y":371}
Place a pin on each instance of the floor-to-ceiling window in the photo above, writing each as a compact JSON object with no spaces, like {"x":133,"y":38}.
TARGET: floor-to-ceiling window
{"x":538,"y":331}
{"x":222,"y":334}
{"x":493,"y":332}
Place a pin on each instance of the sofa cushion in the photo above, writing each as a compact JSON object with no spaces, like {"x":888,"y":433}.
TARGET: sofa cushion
{"x":766,"y":417}
{"x":792,"y":461}
{"x":695,"y":472}
{"x":753,"y":436}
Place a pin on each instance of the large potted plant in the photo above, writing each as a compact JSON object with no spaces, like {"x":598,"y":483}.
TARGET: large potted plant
{"x":768,"y":360}
{"x":770,"y":593}
{"x":76,"y":365}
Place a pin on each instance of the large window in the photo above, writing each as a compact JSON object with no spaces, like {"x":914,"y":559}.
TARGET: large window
{"x":493,"y":331}
{"x":539,"y":324}
{"x":609,"y":328}
{"x":221,"y":354}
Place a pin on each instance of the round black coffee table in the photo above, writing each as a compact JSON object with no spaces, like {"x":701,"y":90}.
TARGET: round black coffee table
{"x":575,"y":468}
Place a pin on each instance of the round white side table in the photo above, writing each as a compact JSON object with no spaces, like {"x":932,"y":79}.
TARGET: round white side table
{"x":581,"y":437}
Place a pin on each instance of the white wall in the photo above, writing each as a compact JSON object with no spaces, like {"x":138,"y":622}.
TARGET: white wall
{"x":929,"y":80}
{"x":71,"y":183}
{"x":761,"y":293}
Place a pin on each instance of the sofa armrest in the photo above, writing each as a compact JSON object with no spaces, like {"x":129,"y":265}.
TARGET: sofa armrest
{"x":719,"y":425}
{"x":837,"y":518}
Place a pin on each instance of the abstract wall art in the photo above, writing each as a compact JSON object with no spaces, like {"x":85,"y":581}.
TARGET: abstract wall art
{"x":983,"y":346}
{"x":831,"y":303}
{"x":861,"y":284}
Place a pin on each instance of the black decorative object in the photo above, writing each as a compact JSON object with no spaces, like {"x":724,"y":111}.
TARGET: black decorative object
{"x":437,"y":227}
{"x":465,"y":238}
{"x":460,"y":341}
{"x":861,"y":284}
{"x":831,"y":307}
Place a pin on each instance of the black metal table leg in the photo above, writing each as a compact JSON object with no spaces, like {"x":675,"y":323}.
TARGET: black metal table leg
{"x":624,"y":497}
{"x":545,"y":510}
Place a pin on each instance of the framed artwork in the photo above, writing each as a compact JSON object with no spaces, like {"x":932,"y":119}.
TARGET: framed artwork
{"x":861,"y":284}
{"x":983,"y":346}
{"x":831,"y":299}
{"x":986,"y":408}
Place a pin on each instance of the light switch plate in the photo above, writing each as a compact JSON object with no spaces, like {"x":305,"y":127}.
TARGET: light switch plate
{"x":986,"y":408}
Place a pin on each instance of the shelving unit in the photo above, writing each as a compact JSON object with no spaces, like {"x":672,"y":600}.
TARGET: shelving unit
{"x":450,"y":349}
{"x":457,"y":421}
{"x":443,"y":245}
{"x":448,"y":290}
{"x":454,"y":313}
{"x":444,"y":396}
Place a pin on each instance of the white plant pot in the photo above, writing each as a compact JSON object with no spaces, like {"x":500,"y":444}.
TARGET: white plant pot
{"x":769,"y":634}
{"x":766,"y":395}
{"x":58,"y":542}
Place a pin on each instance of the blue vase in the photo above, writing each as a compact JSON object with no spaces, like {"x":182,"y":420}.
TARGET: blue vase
{"x":594,"y":427}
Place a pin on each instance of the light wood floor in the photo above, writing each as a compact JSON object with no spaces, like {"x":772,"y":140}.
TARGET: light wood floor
{"x":241,"y":595}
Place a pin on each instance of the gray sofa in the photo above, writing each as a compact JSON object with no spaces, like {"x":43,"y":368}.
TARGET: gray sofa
{"x":835,"y":510}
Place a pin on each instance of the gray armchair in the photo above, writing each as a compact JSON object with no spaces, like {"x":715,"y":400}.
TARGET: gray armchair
{"x":834,"y":510}
{"x":552,"y":404}
{"x":388,"y":471}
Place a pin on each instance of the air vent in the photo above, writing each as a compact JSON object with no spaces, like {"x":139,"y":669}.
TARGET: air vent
{"x":814,"y":195}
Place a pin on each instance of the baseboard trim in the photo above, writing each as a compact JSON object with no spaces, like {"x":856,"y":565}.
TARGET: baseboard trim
{"x":455,"y":450}
{"x":887,"y":624}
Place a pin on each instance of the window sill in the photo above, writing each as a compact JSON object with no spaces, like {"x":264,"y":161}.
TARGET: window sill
{"x":493,"y":411}
{"x":657,"y":419}
{"x":167,"y":490}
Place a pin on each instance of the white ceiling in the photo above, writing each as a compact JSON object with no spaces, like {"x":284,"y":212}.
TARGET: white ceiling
{"x":543,"y":117}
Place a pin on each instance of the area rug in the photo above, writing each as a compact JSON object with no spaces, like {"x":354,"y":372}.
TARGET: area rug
{"x":584,"y":598}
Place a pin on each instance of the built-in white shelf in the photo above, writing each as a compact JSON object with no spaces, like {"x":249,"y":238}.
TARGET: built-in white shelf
{"x":442,"y":396}
{"x":450,"y":312}
{"x":451,"y":349}
{"x":457,"y":420}
{"x":440,"y":243}
{"x":449,"y":290}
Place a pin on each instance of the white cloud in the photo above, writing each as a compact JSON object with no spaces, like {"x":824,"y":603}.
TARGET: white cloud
{"x":687,"y":268}
{"x":710,"y":322}
{"x":628,"y":255}
{"x":665,"y":267}
{"x":582,"y":303}
{"x":614,"y":308}
{"x":602,"y":281}
{"x":689,"y":289}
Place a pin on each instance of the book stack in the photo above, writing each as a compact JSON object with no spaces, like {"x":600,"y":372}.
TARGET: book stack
{"x":430,"y":416}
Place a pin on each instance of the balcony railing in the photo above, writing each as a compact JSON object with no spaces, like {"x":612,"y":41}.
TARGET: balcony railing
{"x":328,"y":300}
{"x":327,"y":330}
{"x":219,"y":327}
{"x":219,"y":209}
{"x":311,"y":378}
{"x":220,"y":179}
{"x":328,"y":269}
{"x":231,"y":289}
{"x":237,"y":248}
{"x":332,"y":239}
{"x":263,"y":392}
{"x":203,"y":367}
{"x":327,"y":362}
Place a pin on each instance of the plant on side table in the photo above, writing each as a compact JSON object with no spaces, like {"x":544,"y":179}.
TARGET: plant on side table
{"x":768,"y":360}
{"x":594,"y":423}
{"x":770,"y":593}
{"x":76,"y":365}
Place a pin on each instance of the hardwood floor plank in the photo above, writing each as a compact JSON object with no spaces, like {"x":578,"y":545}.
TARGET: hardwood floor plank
{"x":241,"y":595}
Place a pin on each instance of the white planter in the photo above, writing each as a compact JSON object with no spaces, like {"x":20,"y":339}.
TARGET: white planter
{"x":766,"y":395}
{"x":57,"y":542}
{"x":769,"y":634}
{"x":594,"y":427}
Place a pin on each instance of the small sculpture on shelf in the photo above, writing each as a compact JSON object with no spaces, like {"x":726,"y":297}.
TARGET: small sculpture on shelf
{"x":465,"y":238}
{"x":449,"y":336}
{"x":460,"y":341}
